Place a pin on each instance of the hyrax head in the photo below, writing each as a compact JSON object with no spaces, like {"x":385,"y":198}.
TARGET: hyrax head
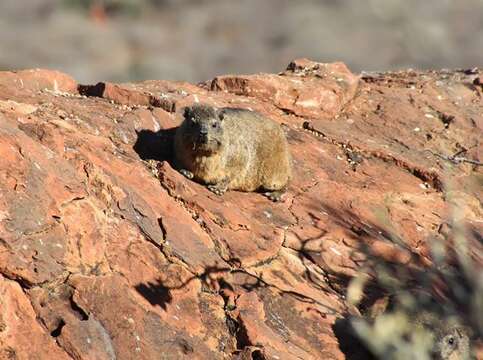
{"x":453,"y":343}
{"x":202,"y":129}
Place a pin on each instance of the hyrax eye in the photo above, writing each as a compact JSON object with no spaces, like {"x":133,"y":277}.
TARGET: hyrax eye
{"x":214,"y":125}
{"x":451,"y":340}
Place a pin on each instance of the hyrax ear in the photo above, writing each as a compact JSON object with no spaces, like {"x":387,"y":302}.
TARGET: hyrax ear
{"x":188,"y":112}
{"x":220,"y":114}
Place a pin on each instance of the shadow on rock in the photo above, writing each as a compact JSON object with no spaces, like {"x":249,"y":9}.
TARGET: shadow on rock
{"x":152,"y":145}
{"x":349,"y":342}
{"x":155,"y":293}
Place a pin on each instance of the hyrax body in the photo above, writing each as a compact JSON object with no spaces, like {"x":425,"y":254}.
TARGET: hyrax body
{"x":233,"y":149}
{"x":402,"y":335}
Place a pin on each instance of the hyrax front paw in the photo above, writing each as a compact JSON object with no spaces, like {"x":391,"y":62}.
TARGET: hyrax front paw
{"x":188,"y":174}
{"x":217,"y":189}
{"x":275,"y":196}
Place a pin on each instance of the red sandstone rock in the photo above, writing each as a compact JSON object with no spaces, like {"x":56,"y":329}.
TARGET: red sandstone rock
{"x":38,"y":79}
{"x":307,"y":88}
{"x":21,"y":336}
{"x":106,"y":250}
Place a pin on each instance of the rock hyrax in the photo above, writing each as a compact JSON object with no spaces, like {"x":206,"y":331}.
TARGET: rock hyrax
{"x":233,"y":149}
{"x":424,"y":335}
{"x":451,"y":341}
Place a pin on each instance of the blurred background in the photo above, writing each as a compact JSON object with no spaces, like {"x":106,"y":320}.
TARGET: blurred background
{"x":194,"y":40}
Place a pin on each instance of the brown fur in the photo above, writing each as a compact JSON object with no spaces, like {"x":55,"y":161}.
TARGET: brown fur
{"x":233,"y":149}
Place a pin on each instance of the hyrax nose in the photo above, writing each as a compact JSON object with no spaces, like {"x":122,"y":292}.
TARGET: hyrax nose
{"x":203,"y":133}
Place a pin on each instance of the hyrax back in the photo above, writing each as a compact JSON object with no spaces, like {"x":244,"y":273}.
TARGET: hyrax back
{"x":233,"y":149}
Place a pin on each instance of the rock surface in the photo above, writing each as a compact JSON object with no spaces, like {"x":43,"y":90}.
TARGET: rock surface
{"x":107,"y":252}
